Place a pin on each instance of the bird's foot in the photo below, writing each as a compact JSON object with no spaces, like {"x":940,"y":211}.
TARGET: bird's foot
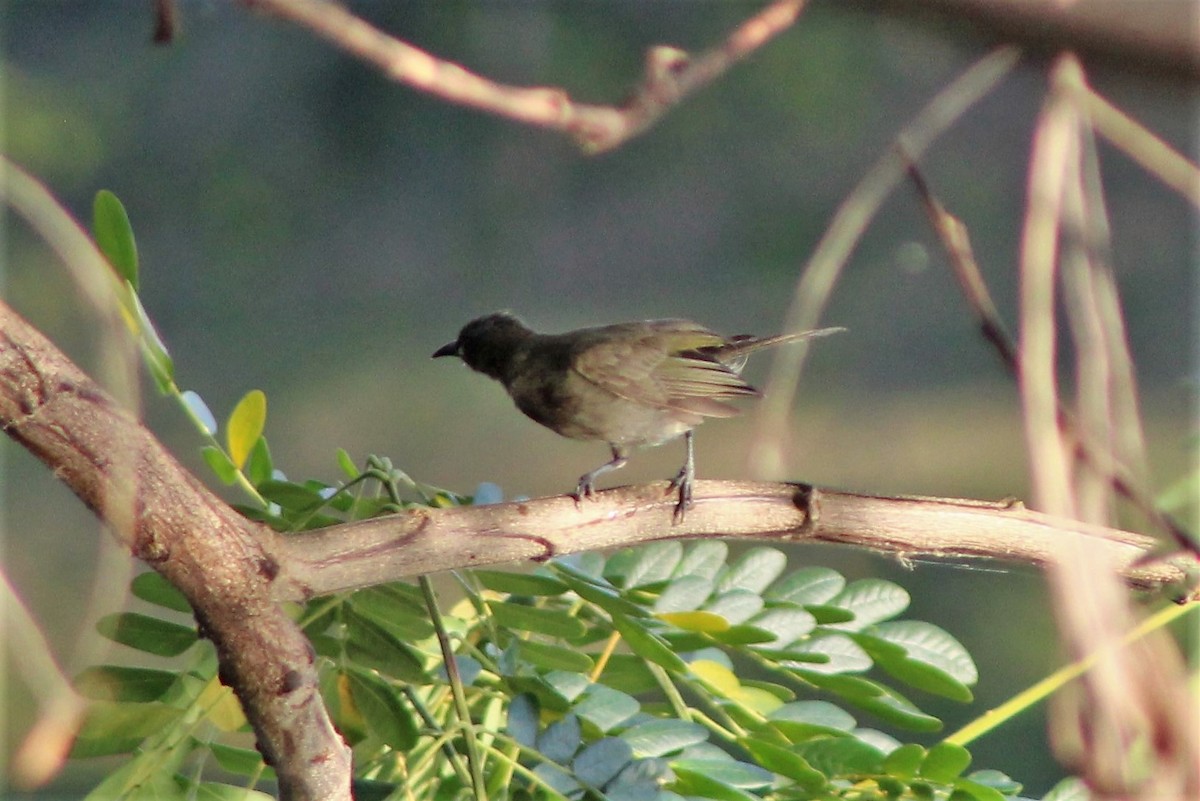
{"x":683,"y":483}
{"x":583,"y":490}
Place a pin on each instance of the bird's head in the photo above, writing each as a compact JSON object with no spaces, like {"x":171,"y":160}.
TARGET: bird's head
{"x":487,"y":344}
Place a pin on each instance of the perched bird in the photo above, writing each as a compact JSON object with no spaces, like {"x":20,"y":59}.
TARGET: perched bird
{"x":631,"y":384}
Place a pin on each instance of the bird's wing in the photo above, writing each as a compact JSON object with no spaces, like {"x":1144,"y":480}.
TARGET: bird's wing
{"x":662,"y":364}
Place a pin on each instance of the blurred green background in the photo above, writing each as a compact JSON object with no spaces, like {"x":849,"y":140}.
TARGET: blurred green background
{"x":307,"y":228}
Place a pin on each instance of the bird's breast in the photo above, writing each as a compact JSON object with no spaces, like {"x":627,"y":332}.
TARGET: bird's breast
{"x":575,"y":408}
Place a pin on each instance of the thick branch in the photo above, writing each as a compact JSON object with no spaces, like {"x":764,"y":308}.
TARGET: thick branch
{"x":1158,"y":37}
{"x":213,"y":555}
{"x":424,"y":540}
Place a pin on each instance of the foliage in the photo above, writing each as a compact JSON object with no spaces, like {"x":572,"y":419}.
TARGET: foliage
{"x":658,"y":672}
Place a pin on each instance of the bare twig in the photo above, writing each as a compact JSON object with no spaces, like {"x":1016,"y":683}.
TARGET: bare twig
{"x":820,"y":274}
{"x":670,"y":74}
{"x":1055,"y":143}
{"x":1143,"y":146}
{"x":955,"y":239}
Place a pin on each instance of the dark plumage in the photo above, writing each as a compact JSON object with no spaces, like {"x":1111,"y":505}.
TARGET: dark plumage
{"x":630,"y":384}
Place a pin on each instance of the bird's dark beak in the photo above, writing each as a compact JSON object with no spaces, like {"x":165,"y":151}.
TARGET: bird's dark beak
{"x":449,"y":349}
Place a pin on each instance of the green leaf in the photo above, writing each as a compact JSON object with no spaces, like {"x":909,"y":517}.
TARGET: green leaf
{"x":561,"y":739}
{"x":391,"y":607}
{"x":152,"y":588}
{"x":553,"y":657}
{"x":881,"y":701}
{"x":703,"y":559}
{"x":290,"y":495}
{"x":736,"y":605}
{"x":245,"y":425}
{"x":647,"y":644}
{"x":551,"y":622}
{"x":601,"y":594}
{"x":808,"y":586}
{"x":930,"y":645}
{"x":905,"y":761}
{"x":241,"y":761}
{"x":697,"y":783}
{"x":606,"y":708}
{"x":996,"y":780}
{"x":387,"y":717}
{"x":744,"y":635}
{"x":967,"y":790}
{"x":162,"y":367}
{"x":871,"y":600}
{"x":523,"y":718}
{"x":657,"y":738}
{"x":684,"y":594}
{"x":119,"y":683}
{"x":919,"y":674}
{"x":845,"y":655}
{"x":347,"y":464}
{"x":629,"y":673}
{"x":219,"y":463}
{"x":214,"y":791}
{"x":828,"y":615}
{"x":558,"y":783}
{"x":754,"y":571}
{"x":841,"y":756}
{"x":785,"y":762}
{"x":787,"y":624}
{"x":816,"y":713}
{"x":519,"y":583}
{"x":945,"y":762}
{"x":728,"y":770}
{"x":373,"y":646}
{"x":114,"y":235}
{"x":145,"y":633}
{"x":652,"y":563}
{"x":601,"y":761}
{"x":109,"y":727}
{"x":259,"y":467}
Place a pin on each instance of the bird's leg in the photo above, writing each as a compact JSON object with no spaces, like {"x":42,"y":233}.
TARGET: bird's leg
{"x":585,"y":489}
{"x":683,"y":480}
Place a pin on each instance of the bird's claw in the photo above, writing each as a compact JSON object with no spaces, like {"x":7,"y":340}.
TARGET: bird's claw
{"x":583,"y":490}
{"x":683,"y":483}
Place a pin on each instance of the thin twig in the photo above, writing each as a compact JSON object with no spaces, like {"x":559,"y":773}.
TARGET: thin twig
{"x":1140,"y":144}
{"x":1055,"y":143}
{"x":820,"y":274}
{"x":955,"y":238}
{"x":670,"y":74}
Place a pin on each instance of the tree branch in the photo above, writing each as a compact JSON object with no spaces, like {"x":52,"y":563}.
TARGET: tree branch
{"x":670,"y":74}
{"x":218,"y":559}
{"x":1162,"y":40}
{"x":369,"y":552}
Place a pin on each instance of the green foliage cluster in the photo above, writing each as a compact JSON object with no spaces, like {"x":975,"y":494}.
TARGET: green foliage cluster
{"x":662,"y":672}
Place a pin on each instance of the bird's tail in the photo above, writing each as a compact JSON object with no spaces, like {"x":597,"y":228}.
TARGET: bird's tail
{"x":739,"y":347}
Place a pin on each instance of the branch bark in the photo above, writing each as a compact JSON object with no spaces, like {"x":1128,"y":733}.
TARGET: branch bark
{"x":369,"y":552}
{"x":167,"y":518}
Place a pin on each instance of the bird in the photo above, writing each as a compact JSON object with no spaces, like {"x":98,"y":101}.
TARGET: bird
{"x":632,"y":385}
